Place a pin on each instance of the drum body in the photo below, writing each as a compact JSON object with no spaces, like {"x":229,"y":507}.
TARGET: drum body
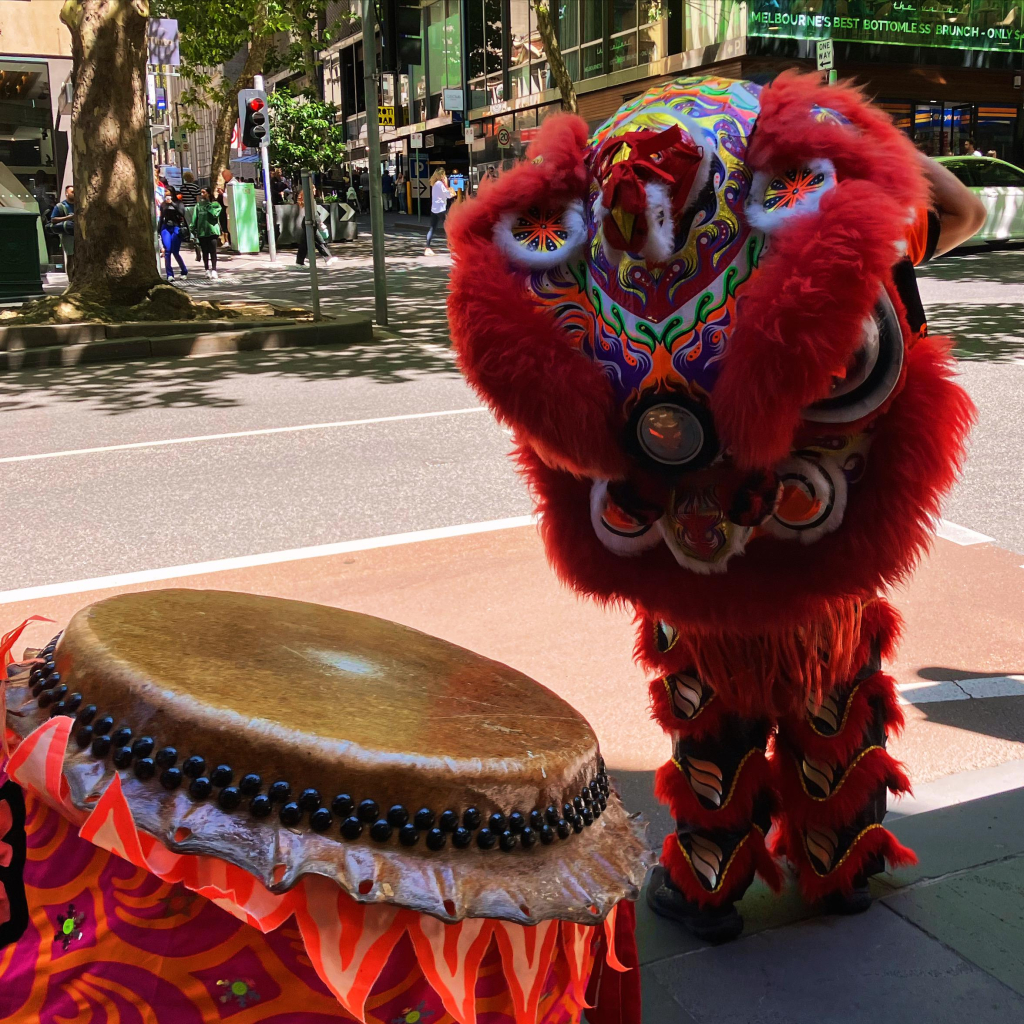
{"x":230,"y":804}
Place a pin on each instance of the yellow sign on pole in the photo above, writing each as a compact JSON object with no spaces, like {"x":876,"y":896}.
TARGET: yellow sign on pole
{"x":386,"y":116}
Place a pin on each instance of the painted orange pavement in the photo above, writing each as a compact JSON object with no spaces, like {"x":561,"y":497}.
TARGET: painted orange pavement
{"x":495,"y":594}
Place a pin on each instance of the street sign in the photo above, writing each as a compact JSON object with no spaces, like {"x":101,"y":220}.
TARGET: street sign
{"x":453,"y":99}
{"x":386,"y":116}
{"x":347,"y":213}
{"x":504,"y":138}
{"x":419,"y":166}
{"x":416,"y":140}
{"x":161,"y":98}
{"x":162,"y":41}
{"x":469,"y":135}
{"x":825,"y":53}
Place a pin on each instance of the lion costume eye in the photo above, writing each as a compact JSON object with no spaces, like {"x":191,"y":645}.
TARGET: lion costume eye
{"x":542,"y":237}
{"x":872,"y":373}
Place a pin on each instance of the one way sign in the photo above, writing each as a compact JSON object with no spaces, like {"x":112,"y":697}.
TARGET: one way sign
{"x":826,"y":58}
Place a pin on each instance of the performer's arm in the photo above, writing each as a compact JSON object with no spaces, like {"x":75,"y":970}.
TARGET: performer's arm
{"x":961,"y":213}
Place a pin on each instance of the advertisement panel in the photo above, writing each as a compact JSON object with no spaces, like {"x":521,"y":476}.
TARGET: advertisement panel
{"x":974,"y":25}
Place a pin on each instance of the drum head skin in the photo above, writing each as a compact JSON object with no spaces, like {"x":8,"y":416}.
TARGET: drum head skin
{"x":290,"y":738}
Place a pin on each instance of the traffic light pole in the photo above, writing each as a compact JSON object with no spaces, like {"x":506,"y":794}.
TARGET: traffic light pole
{"x":380,"y":285}
{"x":265,"y":157}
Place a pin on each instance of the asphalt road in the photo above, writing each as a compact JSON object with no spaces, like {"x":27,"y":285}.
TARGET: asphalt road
{"x":96,"y":513}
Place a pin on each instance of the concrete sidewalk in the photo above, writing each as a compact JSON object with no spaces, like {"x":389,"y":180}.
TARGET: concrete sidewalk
{"x":943,"y":944}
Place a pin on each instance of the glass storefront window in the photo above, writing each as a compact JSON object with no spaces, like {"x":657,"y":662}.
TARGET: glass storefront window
{"x":593,"y":20}
{"x":568,"y":24}
{"x":444,"y":45}
{"x":623,"y":15}
{"x":593,"y":60}
{"x":572,"y":64}
{"x":652,"y":42}
{"x":623,"y":51}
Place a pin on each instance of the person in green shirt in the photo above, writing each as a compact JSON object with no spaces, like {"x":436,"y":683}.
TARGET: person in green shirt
{"x":206,"y":226}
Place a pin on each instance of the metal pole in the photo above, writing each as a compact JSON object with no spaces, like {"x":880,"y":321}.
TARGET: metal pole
{"x":311,"y":225}
{"x":380,"y":284}
{"x":419,"y":203}
{"x":257,"y":83}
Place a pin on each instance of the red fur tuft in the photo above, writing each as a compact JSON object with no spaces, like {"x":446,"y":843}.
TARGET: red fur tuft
{"x":869,"y":147}
{"x":508,"y":346}
{"x":752,"y":856}
{"x":874,"y":841}
{"x":672,"y":788}
{"x":877,"y":691}
{"x":872,"y":769}
{"x":801,"y":318}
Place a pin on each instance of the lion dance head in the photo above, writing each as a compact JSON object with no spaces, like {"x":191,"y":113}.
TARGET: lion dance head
{"x":692,"y":324}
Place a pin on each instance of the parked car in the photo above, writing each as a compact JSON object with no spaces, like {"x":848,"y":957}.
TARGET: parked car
{"x":1000,"y":186}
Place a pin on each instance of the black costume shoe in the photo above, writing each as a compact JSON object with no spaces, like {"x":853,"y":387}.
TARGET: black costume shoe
{"x":847,"y":903}
{"x":712,"y":924}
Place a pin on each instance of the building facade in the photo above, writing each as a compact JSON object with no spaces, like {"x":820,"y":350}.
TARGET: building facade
{"x":35,"y":95}
{"x":945,"y":72}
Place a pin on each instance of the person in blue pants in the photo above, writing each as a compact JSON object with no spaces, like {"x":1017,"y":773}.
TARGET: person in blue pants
{"x":173,"y":227}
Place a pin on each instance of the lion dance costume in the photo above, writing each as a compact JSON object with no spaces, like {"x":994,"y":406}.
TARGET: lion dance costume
{"x":703,"y":327}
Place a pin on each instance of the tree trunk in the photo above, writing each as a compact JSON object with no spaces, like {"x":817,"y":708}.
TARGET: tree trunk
{"x":259,"y":47}
{"x":303,"y":22}
{"x":115,"y":261}
{"x":554,"y":55}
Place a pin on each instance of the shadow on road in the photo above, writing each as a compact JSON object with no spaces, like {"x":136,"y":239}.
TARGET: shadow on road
{"x":182,"y":383}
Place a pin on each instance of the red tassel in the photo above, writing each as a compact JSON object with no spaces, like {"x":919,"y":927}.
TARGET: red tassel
{"x":672,"y":787}
{"x":873,"y":841}
{"x":749,"y":857}
{"x":873,"y":768}
{"x":877,"y":690}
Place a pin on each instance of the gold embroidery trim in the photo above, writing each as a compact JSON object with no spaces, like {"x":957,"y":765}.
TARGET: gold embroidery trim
{"x":735,"y":779}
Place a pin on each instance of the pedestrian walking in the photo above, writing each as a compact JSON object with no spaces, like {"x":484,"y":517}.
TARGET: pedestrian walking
{"x":440,"y":193}
{"x":364,"y":190}
{"x":173,"y":227}
{"x":62,"y":223}
{"x":206,"y":227}
{"x":400,"y":192}
{"x":189,"y":197}
{"x":320,"y":233}
{"x":387,"y":189}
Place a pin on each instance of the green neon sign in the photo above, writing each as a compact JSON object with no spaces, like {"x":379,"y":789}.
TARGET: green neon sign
{"x":973,"y":25}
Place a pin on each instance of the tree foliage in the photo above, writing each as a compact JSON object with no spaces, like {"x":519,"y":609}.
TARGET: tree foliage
{"x":304,"y":133}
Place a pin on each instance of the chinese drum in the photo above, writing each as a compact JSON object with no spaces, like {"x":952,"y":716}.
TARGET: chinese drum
{"x":219,"y":806}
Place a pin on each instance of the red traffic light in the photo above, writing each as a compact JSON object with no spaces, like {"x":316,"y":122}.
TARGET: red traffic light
{"x":256,"y":103}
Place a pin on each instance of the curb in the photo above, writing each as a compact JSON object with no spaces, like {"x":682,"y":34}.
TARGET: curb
{"x":60,"y":345}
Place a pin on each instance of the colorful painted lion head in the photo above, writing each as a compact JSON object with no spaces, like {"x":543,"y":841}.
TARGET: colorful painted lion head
{"x":691,"y":322}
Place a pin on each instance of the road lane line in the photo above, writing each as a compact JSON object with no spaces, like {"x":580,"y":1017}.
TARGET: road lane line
{"x":960,"y":534}
{"x":931,"y":692}
{"x":243,"y":433}
{"x":125,"y":579}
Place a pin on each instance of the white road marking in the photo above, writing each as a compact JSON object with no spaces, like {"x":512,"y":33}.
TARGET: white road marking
{"x":243,"y":433}
{"x":125,"y":579}
{"x":960,"y":534}
{"x":928,"y":692}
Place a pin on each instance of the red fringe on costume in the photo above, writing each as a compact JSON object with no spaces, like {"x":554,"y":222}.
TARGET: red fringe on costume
{"x":672,"y":787}
{"x":770,"y":672}
{"x":874,"y":840}
{"x":749,"y":857}
{"x":871,"y":769}
{"x":877,"y":692}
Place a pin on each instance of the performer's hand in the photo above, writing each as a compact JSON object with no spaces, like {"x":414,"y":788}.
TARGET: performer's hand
{"x":961,"y":213}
